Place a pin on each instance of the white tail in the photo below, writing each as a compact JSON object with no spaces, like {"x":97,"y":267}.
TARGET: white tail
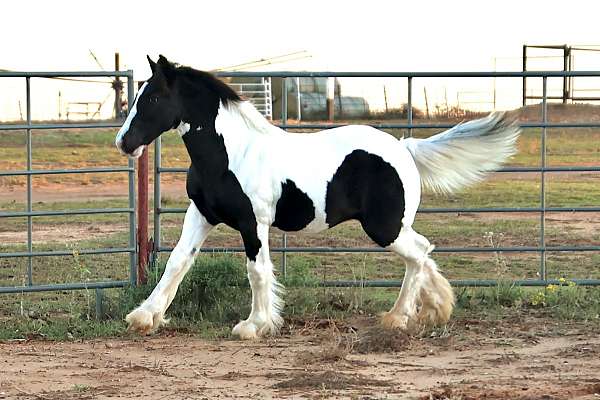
{"x":463,"y":154}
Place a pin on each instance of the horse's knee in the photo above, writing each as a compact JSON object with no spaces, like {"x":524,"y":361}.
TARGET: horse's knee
{"x":411,"y":246}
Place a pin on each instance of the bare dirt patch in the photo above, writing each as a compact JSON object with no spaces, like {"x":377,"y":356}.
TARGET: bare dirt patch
{"x":59,"y":192}
{"x":520,"y":358}
{"x":61,"y":233}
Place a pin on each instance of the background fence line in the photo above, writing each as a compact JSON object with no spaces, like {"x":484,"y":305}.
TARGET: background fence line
{"x":30,"y":172}
{"x":158,"y":248}
{"x":542,"y":248}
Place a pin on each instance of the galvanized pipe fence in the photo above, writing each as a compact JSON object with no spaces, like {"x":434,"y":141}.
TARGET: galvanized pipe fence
{"x":29,"y":126}
{"x":284,"y":249}
{"x":544,"y":124}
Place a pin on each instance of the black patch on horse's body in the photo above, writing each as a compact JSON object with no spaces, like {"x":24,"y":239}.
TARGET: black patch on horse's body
{"x":215,"y":190}
{"x":294,"y":209}
{"x":367,"y":188}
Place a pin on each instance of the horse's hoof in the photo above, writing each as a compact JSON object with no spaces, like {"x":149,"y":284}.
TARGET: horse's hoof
{"x":143,"y":321}
{"x":394,"y":321}
{"x":245,"y":330}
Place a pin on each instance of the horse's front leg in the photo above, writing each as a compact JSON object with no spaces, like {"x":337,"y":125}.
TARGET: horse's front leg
{"x":150,"y":314}
{"x":264,"y":317}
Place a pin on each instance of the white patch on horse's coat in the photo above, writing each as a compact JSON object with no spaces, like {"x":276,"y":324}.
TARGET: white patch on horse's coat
{"x":199,"y":128}
{"x":183,"y":128}
{"x":118,"y":140}
{"x":137,"y":152}
{"x":263,"y":156}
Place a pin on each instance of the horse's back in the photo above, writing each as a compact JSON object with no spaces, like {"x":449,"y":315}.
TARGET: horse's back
{"x":351,"y":172}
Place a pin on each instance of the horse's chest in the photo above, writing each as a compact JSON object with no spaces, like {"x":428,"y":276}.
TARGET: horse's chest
{"x":220,"y":198}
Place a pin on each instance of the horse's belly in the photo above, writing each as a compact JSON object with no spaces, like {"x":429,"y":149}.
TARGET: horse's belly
{"x":300,"y":209}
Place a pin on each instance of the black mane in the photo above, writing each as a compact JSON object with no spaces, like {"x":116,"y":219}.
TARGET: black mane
{"x":220,"y":88}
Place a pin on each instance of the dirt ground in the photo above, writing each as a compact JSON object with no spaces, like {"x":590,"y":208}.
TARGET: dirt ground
{"x":514,"y":358}
{"x":75,"y":192}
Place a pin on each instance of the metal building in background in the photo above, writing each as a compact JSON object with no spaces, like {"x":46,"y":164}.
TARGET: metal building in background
{"x":306,"y":99}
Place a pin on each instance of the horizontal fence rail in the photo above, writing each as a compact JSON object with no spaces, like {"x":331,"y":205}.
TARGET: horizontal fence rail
{"x":407,"y":74}
{"x":29,"y":213}
{"x":410,"y":126}
{"x":12,"y":127}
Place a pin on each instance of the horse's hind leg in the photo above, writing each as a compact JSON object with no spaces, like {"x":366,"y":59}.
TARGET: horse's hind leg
{"x":437,"y":297}
{"x":426,"y":296}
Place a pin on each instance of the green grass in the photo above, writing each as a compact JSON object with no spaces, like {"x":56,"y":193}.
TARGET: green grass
{"x":564,"y":302}
{"x":215,"y":295}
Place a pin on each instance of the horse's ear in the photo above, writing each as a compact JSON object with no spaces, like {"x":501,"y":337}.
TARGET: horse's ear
{"x":152,"y":64}
{"x":167,"y":69}
{"x":162,"y":60}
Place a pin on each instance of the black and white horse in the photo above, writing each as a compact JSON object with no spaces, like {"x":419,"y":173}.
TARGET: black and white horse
{"x":250,"y":175}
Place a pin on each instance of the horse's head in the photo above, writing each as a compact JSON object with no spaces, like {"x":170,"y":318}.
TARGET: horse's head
{"x":156,"y":109}
{"x":174,"y":96}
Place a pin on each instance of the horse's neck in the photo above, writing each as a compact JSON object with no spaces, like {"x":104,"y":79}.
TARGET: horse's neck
{"x":235,"y":132}
{"x":224,"y":145}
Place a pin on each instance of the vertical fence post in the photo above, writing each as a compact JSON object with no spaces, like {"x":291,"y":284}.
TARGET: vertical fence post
{"x":566,"y":55}
{"x":524,"y":77}
{"x":132,"y":202}
{"x":331,"y":99}
{"x":284,"y":108}
{"x":142,"y":230}
{"x":298,"y":100}
{"x":118,"y":86}
{"x":543,"y":273}
{"x":29,"y":176}
{"x":157,"y":162}
{"x":409,"y":112}
{"x":99,"y":306}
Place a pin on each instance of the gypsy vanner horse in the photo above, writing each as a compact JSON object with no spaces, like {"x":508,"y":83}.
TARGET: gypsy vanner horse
{"x":251,"y":175}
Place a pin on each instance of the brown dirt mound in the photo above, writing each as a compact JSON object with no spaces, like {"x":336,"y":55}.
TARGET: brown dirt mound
{"x":475,"y":392}
{"x":329,"y":380}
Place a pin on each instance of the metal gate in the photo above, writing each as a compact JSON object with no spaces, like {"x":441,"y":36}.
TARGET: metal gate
{"x":542,"y":248}
{"x":28,"y":126}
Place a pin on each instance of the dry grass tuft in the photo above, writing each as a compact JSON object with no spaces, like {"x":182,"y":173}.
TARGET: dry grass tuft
{"x":378,"y":340}
{"x":335,"y":349}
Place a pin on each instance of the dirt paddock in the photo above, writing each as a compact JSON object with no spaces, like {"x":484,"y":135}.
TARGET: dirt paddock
{"x":512,"y":358}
